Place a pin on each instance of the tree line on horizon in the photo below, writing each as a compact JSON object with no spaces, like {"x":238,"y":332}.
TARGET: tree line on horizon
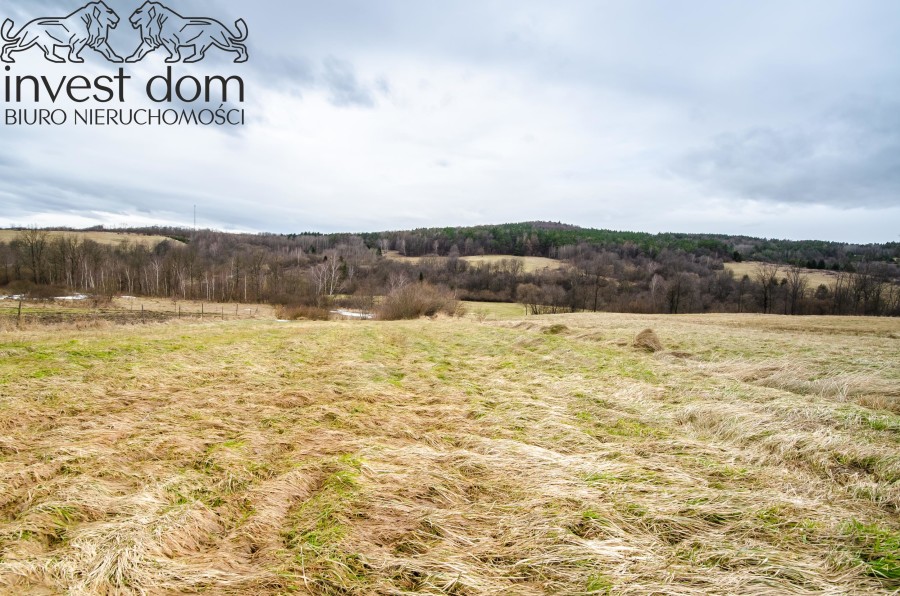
{"x":601,"y":270}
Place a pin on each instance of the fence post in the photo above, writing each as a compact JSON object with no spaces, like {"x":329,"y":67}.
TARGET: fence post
{"x":19,"y":316}
{"x":201,"y":311}
{"x":142,"y":313}
{"x":223,"y":313}
{"x":235,"y":311}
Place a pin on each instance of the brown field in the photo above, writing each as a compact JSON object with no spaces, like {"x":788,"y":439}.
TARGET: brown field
{"x":488,"y":311}
{"x":122,"y":310}
{"x":110,"y":238}
{"x":531,"y":264}
{"x":229,"y":309}
{"x":816,"y":276}
{"x":480,"y":455}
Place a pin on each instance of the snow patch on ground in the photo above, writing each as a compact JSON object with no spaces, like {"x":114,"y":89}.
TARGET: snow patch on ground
{"x":353,"y":315}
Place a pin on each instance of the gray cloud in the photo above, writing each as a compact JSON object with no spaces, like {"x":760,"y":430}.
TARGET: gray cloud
{"x":338,"y":78}
{"x":576,"y":110}
{"x":850,"y":157}
{"x":343,"y":87}
{"x":285,"y":73}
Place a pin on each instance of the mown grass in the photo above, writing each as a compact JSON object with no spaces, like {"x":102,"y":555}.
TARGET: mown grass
{"x":815,"y":276}
{"x":529,"y":264}
{"x":110,"y":238}
{"x":485,"y":455}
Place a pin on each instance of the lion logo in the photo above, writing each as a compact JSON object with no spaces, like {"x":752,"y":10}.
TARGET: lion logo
{"x":163,"y":27}
{"x":86,"y":27}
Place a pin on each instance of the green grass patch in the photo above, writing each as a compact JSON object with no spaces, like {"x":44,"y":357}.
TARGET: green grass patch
{"x":634,"y":428}
{"x":319,"y":527}
{"x":877,"y":548}
{"x":598,"y":584}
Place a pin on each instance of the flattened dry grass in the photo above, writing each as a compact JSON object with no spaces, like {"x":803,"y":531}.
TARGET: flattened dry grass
{"x":751,"y":455}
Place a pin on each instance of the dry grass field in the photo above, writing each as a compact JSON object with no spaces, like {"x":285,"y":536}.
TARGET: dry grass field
{"x":111,"y":238}
{"x":491,"y":311}
{"x":90,"y":312}
{"x":530,"y":264}
{"x":816,"y":276}
{"x":547,"y":455}
{"x":193,"y":307}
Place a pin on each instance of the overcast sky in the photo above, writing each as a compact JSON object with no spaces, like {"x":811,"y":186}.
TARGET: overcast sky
{"x":765,"y":118}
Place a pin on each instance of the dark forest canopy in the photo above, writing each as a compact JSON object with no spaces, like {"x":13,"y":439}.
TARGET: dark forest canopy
{"x":598,"y":269}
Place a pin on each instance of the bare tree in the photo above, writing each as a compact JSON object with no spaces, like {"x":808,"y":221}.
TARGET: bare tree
{"x":33,"y":243}
{"x":396,"y":281}
{"x":326,"y":277}
{"x":766,"y":275}
{"x":658,"y":290}
{"x":840,"y":293}
{"x":797,"y":283}
{"x":681,"y":292}
{"x":742,"y":289}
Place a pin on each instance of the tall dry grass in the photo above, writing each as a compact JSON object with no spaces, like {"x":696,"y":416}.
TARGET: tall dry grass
{"x":540,"y":456}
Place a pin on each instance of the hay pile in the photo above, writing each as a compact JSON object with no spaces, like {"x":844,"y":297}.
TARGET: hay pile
{"x":648,"y":341}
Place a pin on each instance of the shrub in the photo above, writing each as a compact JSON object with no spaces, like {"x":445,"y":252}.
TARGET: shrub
{"x":294,"y":312}
{"x":358,"y":302}
{"x":35,"y":291}
{"x":417,"y":300}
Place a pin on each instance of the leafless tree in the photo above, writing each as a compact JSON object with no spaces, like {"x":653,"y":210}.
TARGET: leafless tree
{"x":326,"y":276}
{"x":797,"y":283}
{"x":658,"y":290}
{"x":681,"y":292}
{"x":766,"y":275}
{"x":33,"y":243}
{"x":742,"y":289}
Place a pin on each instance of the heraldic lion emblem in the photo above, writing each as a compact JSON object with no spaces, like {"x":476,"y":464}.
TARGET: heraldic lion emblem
{"x":163,"y":27}
{"x":86,"y":27}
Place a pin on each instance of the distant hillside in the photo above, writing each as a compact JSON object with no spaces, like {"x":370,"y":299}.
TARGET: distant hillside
{"x":545,"y":239}
{"x":550,"y":267}
{"x":541,"y":239}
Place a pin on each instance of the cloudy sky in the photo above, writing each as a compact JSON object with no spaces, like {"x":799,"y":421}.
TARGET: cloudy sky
{"x":766,"y":118}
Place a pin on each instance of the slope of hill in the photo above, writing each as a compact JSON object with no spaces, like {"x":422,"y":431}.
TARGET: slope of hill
{"x":541,"y":238}
{"x":105,"y":238}
{"x":529,"y":264}
{"x":564,"y":268}
{"x":539,"y":456}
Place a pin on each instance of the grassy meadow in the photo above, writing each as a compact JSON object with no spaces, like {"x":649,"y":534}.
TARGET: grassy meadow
{"x":529,"y":264}
{"x":816,"y":277}
{"x":490,"y":454}
{"x":110,"y":238}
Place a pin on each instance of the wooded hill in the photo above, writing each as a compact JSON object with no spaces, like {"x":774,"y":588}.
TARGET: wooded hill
{"x":604,"y":269}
